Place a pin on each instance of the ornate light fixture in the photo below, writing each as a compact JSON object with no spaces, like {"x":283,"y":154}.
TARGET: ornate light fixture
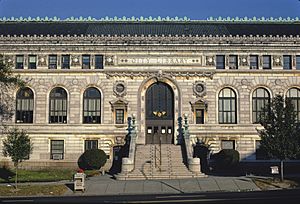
{"x":159,"y":113}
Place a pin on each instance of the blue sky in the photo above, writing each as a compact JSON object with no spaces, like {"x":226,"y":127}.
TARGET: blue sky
{"x":194,"y":9}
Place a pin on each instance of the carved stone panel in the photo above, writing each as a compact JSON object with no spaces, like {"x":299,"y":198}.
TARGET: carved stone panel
{"x":277,"y":60}
{"x":75,"y":60}
{"x":42,"y":60}
{"x":199,"y":88}
{"x":244,"y":60}
{"x":210,"y":60}
{"x":120,"y":88}
{"x":109,"y":60}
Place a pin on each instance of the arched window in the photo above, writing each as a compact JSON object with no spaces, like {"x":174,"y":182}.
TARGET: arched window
{"x":24,"y":106}
{"x":227,"y":106}
{"x":260,"y":99}
{"x":294,"y":95}
{"x":92,"y":106}
{"x":58,"y":106}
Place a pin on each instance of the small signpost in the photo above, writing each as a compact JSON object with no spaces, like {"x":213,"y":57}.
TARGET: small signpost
{"x":274,"y":171}
{"x":79,"y":182}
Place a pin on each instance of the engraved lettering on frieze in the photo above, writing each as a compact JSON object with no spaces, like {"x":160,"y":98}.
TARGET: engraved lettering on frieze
{"x":159,"y":60}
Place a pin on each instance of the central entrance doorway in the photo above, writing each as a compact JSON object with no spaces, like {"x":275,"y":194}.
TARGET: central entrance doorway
{"x":159,"y":114}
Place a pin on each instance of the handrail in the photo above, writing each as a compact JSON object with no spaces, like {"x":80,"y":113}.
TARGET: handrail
{"x":128,"y":162}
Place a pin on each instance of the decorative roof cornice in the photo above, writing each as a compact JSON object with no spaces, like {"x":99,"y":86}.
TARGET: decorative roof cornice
{"x":89,"y":18}
{"x":147,"y":19}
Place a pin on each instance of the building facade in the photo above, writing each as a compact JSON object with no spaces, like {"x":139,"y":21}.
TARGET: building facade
{"x":86,"y":77}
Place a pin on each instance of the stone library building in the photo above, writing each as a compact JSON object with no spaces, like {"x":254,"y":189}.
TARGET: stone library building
{"x":91,"y":83}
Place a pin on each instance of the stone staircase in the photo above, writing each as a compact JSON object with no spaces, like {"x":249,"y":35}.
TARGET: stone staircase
{"x":155,"y":162}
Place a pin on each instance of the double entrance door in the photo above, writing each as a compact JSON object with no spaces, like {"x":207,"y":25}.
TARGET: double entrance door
{"x":159,"y":114}
{"x":159,"y":132}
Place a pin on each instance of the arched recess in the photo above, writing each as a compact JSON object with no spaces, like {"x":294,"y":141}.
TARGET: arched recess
{"x":58,"y":105}
{"x":24,"y":105}
{"x":141,"y":113}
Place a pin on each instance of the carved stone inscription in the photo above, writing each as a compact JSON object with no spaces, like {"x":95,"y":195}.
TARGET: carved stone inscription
{"x":159,"y":60}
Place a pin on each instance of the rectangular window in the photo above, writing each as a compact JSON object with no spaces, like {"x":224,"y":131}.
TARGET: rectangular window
{"x":227,"y":144}
{"x":287,"y":62}
{"x":65,"y":61}
{"x":20,"y":62}
{"x":253,"y":62}
{"x":57,"y":149}
{"x":233,"y":61}
{"x":220,"y":61}
{"x":98,"y":61}
{"x":298,"y":62}
{"x":119,"y":116}
{"x":52,"y":62}
{"x":199,"y":116}
{"x":32,"y":62}
{"x":266,"y":62}
{"x":86,"y":61}
{"x":90,"y":144}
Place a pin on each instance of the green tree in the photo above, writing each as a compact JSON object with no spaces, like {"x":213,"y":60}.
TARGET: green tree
{"x":7,"y":82}
{"x":18,"y":147}
{"x":280,"y":136}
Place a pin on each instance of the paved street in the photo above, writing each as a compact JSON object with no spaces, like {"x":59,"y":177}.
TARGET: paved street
{"x":104,"y":185}
{"x":253,"y":197}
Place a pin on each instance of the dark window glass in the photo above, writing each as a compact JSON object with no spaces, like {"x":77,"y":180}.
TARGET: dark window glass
{"x":294,"y":95}
{"x":199,"y":116}
{"x":298,"y":62}
{"x":86,"y":61}
{"x":227,"y":144}
{"x":91,"y":106}
{"x":98,"y":61}
{"x":32,"y":62}
{"x":253,"y":62}
{"x":287,"y":62}
{"x":266,"y":62}
{"x":90,"y":144}
{"x":19,"y":62}
{"x":220,"y":59}
{"x":65,"y":61}
{"x":57,"y":149}
{"x":119,"y":116}
{"x":260,"y":99}
{"x":52,"y":62}
{"x":233,"y":62}
{"x":24,"y":106}
{"x":58,"y":106}
{"x":227,"y":106}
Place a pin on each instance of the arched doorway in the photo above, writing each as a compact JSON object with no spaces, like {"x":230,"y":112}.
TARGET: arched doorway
{"x":159,"y":114}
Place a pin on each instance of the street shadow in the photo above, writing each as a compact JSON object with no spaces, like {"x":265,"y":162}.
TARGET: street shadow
{"x":70,"y":186}
{"x":6,"y":174}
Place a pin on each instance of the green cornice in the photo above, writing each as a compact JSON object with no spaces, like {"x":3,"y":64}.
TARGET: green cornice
{"x":146,"y":19}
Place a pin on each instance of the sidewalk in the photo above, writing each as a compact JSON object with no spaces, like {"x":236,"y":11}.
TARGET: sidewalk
{"x":105,"y":185}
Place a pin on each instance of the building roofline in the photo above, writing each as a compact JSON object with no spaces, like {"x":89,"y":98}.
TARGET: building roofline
{"x":153,"y":19}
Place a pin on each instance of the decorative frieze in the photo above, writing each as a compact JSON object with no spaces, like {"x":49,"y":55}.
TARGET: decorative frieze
{"x":134,"y":74}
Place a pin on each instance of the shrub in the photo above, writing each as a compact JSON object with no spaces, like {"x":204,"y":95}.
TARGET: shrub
{"x":227,"y":158}
{"x":92,"y":159}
